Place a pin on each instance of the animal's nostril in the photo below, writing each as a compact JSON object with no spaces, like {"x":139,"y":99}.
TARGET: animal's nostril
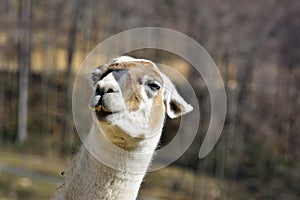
{"x":110,"y":90}
{"x":98,"y":92}
{"x":101,"y":91}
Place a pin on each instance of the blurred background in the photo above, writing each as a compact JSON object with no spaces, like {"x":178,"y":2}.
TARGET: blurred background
{"x":255,"y":44}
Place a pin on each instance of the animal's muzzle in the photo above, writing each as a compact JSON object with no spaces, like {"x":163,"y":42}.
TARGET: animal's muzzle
{"x":107,"y":96}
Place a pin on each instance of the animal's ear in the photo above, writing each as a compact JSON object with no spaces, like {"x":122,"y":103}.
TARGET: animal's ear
{"x":97,"y":73}
{"x":175,"y":104}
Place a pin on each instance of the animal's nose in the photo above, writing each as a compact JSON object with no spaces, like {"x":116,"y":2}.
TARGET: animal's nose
{"x":107,"y":85}
{"x":104,"y":90}
{"x":108,"y":97}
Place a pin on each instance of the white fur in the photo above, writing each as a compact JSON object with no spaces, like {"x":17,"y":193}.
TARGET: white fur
{"x":119,"y":174}
{"x":131,"y":59}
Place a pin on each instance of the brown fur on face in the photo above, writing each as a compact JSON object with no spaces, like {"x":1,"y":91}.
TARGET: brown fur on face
{"x":134,"y":101}
{"x":157,"y":111}
{"x":128,"y":65}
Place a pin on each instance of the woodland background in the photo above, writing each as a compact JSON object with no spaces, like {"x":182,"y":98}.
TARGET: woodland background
{"x":255,"y":44}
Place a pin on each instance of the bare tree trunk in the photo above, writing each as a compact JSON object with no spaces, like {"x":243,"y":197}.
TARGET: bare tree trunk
{"x":24,"y":70}
{"x":66,"y":143}
{"x":46,"y":94}
{"x":2,"y":93}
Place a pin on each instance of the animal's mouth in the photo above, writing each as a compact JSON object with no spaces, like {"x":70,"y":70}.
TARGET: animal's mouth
{"x":107,"y":102}
{"x":101,"y":110}
{"x":102,"y":115}
{"x":105,"y":107}
{"x":98,"y":103}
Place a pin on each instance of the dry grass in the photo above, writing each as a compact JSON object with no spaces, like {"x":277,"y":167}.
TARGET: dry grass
{"x":166,"y":184}
{"x":15,"y":188}
{"x":49,"y":165}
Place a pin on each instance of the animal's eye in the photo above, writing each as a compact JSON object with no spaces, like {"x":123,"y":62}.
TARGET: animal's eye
{"x":153,"y":85}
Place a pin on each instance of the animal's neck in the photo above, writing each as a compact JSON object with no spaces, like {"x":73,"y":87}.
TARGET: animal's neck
{"x":90,"y":179}
{"x":116,"y":179}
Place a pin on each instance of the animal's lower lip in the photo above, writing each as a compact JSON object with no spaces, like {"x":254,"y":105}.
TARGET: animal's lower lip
{"x":101,"y":112}
{"x":102,"y":109}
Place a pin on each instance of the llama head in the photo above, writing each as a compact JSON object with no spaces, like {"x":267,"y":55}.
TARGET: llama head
{"x":131,"y":97}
